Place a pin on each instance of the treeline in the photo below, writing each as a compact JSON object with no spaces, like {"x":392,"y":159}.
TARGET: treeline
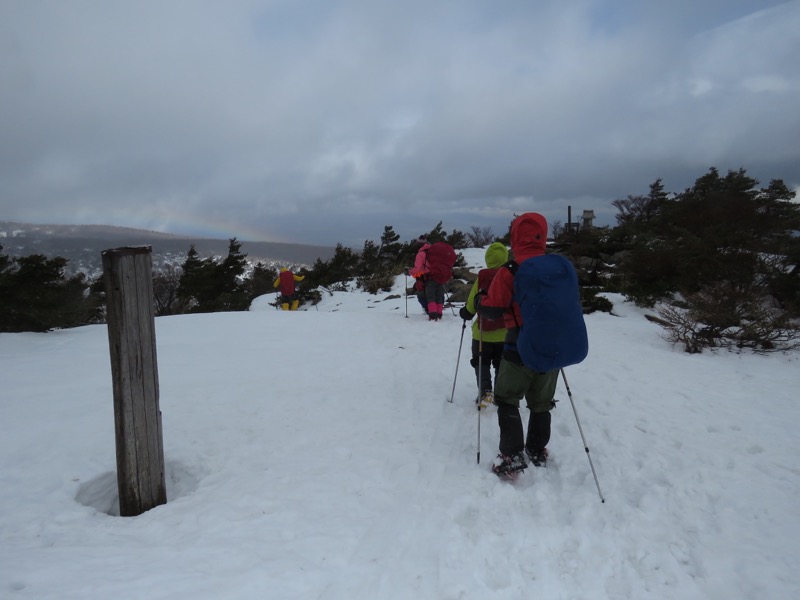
{"x":36,"y":295}
{"x":718,"y":262}
{"x":376,"y":265}
{"x":210,"y":285}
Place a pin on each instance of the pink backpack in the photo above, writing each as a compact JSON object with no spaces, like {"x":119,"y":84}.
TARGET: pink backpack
{"x":440,"y":259}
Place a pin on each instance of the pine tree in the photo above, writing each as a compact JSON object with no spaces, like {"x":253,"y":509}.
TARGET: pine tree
{"x":390,"y":249}
{"x":261,"y":281}
{"x":35,"y":294}
{"x":196,"y":289}
{"x":231,"y":290}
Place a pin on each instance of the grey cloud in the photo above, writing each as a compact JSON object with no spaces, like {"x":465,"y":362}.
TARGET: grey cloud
{"x":325,"y":121}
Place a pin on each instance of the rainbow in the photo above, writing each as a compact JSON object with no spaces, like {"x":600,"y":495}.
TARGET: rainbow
{"x":200,"y":225}
{"x":184,"y":223}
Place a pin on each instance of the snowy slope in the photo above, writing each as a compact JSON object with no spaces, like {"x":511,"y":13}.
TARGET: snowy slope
{"x":315,"y":454}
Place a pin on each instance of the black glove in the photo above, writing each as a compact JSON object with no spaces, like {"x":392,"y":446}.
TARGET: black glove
{"x":478,"y":300}
{"x":465,"y":314}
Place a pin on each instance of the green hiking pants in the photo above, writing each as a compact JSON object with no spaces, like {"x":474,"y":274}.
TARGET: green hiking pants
{"x":515,"y":381}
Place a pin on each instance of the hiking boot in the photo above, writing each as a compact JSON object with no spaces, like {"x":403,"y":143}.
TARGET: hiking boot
{"x":434,"y":316}
{"x":509,"y":466}
{"x":537,"y":457}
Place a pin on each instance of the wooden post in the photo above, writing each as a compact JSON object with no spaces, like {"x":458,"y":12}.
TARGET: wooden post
{"x":128,"y":276}
{"x":569,"y":220}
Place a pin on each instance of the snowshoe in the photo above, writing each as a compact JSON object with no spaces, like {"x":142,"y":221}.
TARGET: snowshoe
{"x":509,"y":467}
{"x":537,"y":457}
{"x":485,"y":399}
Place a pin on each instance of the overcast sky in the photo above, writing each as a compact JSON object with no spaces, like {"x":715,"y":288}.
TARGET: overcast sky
{"x":322,"y":121}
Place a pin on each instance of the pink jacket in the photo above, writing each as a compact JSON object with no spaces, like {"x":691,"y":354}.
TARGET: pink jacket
{"x":420,"y":262}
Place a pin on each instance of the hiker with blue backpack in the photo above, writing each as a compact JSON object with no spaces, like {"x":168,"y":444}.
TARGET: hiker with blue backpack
{"x":488,"y":336}
{"x":538,"y":297}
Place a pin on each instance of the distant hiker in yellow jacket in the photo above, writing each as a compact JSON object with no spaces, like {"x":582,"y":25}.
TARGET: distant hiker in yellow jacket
{"x":285,"y":280}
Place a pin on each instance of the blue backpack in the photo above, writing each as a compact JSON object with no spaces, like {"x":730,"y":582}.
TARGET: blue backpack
{"x":553,"y":333}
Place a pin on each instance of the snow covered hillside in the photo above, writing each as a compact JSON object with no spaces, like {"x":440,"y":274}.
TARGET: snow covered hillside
{"x":314,"y":454}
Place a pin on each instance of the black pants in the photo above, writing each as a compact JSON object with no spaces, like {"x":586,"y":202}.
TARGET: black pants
{"x":492,"y":353}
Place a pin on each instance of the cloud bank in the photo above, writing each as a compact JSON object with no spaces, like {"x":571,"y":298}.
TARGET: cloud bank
{"x":321,"y":122}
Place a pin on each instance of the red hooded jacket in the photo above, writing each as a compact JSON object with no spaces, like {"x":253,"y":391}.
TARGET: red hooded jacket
{"x":528,"y":239}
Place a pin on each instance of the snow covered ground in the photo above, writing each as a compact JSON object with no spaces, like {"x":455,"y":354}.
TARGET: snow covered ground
{"x":314,"y":454}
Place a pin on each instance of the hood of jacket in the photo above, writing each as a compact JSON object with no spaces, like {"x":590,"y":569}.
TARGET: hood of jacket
{"x":528,"y":236}
{"x":496,"y":255}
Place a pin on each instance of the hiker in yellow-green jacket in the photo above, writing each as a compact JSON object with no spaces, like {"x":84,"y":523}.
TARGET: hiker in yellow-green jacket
{"x":487,"y":335}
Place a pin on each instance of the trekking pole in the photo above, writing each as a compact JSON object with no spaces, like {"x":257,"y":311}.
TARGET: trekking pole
{"x":405,"y":291}
{"x":580,"y":429}
{"x":480,"y":381}
{"x":480,"y":361}
{"x":447,"y":299}
{"x":458,"y":359}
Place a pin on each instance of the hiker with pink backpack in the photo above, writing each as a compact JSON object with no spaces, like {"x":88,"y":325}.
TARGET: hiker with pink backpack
{"x":433,"y":268}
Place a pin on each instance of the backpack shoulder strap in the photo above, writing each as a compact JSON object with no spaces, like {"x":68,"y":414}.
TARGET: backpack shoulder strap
{"x":512,"y":266}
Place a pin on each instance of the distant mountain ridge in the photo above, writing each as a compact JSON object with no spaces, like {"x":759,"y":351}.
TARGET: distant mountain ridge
{"x":82,"y":245}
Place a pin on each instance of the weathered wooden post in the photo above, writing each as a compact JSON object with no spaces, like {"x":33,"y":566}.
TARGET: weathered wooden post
{"x":128,"y":276}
